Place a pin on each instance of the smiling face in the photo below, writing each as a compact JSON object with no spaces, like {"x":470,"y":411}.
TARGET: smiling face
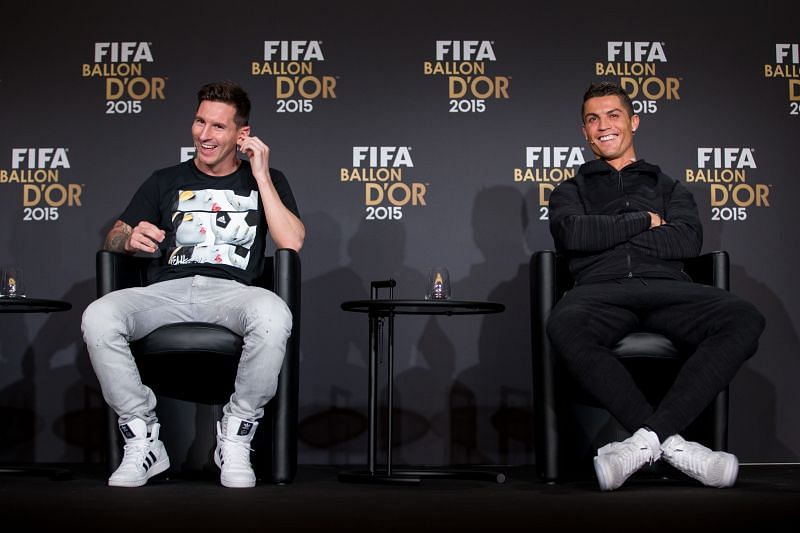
{"x":609,"y":129}
{"x":215,"y":136}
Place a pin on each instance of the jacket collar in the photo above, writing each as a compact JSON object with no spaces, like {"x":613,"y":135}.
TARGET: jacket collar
{"x":600,"y":166}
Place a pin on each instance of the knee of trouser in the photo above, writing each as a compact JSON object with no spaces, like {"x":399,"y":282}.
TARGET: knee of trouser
{"x":561,"y":324}
{"x":98,"y":319}
{"x":94,"y":317}
{"x":746,"y":317}
{"x":269,"y":312}
{"x":754,"y":319}
{"x":551,"y":329}
{"x":757,"y":319}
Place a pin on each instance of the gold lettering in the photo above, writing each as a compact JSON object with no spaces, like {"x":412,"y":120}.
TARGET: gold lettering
{"x":371,"y":174}
{"x":543,"y":175}
{"x":289,"y":68}
{"x":103,"y":70}
{"x":716,"y":175}
{"x":37,"y":175}
{"x":625,"y":69}
{"x":448,"y":68}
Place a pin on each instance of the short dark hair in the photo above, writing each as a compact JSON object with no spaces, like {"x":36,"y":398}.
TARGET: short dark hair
{"x":230,"y":93}
{"x":606,"y":88}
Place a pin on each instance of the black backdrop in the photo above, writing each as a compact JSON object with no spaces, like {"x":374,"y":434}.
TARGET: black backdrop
{"x":95,"y":95}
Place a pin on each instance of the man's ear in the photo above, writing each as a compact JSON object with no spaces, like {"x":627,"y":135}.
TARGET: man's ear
{"x":635,"y":122}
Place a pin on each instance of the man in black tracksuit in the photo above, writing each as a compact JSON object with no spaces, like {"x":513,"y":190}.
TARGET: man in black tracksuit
{"x":625,"y":228}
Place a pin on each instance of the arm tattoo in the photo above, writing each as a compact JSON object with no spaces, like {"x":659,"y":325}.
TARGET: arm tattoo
{"x":115,"y":240}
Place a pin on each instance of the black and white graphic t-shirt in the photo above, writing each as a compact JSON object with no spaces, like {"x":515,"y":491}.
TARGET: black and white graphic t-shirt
{"x":215,"y":225}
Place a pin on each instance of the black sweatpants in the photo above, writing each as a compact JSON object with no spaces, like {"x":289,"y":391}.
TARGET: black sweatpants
{"x":718,"y":329}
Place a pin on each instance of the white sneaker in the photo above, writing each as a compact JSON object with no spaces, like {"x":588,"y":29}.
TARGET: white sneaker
{"x":715,"y":469}
{"x":615,"y":462}
{"x":233,"y":452}
{"x":145,"y":455}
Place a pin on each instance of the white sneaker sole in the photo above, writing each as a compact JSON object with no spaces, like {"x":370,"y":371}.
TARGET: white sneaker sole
{"x":237,"y":483}
{"x":603,"y":475}
{"x":729,"y":476}
{"x":159,"y":467}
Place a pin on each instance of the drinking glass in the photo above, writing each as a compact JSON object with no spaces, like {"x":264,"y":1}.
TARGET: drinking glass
{"x":12,"y":283}
{"x":438,"y":284}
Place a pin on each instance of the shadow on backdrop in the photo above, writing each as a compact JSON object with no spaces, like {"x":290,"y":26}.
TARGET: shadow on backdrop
{"x":491,"y":402}
{"x":754,"y":430}
{"x":333,"y":368}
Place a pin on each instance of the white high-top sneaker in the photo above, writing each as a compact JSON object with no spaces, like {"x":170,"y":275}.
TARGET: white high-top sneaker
{"x":233,"y":452}
{"x":145,"y":455}
{"x":617,"y":461}
{"x":715,"y":469}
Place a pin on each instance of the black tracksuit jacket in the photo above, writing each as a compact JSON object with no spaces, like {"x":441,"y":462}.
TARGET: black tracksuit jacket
{"x":599,"y":222}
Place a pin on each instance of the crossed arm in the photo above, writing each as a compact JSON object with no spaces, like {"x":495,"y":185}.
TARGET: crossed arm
{"x":675,"y":235}
{"x":681,"y":236}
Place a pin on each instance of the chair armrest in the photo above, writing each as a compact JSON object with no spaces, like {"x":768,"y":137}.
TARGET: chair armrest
{"x":286,"y":279}
{"x":712,"y":269}
{"x":544,"y":295}
{"x":116,"y":270}
{"x":543,"y":288}
{"x":285,"y":405}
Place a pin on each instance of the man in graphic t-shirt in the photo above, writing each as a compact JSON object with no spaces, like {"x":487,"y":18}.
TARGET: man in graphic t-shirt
{"x":207,"y":219}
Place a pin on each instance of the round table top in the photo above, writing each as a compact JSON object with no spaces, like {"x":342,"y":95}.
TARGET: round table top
{"x":423,"y":307}
{"x":20,"y":304}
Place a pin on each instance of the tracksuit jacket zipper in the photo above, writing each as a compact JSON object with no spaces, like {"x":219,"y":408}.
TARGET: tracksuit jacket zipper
{"x":627,"y":251}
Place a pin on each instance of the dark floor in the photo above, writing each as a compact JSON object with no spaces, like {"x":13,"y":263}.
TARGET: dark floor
{"x":766,"y":498}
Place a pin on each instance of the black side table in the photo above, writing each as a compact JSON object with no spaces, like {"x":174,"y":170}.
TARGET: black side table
{"x":19,"y":304}
{"x":379,"y":309}
{"x":32,"y":305}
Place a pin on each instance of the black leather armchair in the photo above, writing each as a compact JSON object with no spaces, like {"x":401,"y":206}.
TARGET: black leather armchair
{"x":563,"y":423}
{"x":164,"y":355}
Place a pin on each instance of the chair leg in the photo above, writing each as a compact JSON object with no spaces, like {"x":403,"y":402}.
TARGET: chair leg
{"x":720,"y":436}
{"x":113,"y":444}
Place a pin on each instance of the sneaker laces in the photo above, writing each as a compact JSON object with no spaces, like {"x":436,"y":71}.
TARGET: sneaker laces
{"x":631,"y":455}
{"x":135,"y":451}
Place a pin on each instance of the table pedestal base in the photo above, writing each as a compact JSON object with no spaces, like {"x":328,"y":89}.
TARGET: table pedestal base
{"x":378,"y":311}
{"x":54,"y":473}
{"x":414,"y":477}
